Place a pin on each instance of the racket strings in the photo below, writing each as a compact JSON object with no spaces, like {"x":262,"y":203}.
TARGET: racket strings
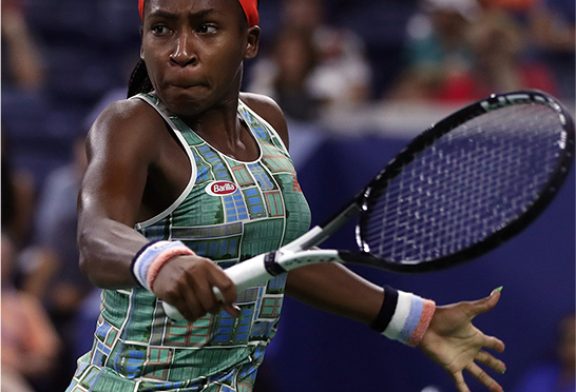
{"x":467,"y":185}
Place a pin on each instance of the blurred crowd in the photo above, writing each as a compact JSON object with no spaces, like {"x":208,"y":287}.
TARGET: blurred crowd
{"x":63,"y":60}
{"x":452,"y":51}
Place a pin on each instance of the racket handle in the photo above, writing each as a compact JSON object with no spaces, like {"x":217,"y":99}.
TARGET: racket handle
{"x":175,"y":314}
{"x":172,"y":312}
{"x":249,"y":273}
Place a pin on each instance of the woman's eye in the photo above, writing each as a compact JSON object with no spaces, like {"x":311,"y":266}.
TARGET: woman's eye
{"x":207,"y":28}
{"x":160,"y":30}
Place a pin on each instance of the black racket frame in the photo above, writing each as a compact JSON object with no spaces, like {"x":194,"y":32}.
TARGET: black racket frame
{"x":427,"y":138}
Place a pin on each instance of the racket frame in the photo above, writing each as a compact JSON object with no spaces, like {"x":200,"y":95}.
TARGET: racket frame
{"x":426,"y":138}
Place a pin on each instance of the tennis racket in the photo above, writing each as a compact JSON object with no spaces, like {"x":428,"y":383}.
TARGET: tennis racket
{"x":461,"y":188}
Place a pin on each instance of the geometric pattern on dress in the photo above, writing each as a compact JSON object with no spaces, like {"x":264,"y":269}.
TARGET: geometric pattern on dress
{"x":241,"y":174}
{"x":235,"y":207}
{"x":268,"y":232}
{"x":274,"y":203}
{"x":255,"y":203}
{"x":263,"y":177}
{"x":276,"y":161}
{"x":218,"y":168}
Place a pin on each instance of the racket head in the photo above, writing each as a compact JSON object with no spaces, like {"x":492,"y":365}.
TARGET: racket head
{"x":467,"y":184}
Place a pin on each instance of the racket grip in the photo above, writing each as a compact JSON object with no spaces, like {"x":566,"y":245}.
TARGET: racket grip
{"x":249,"y":273}
{"x":172,"y":312}
{"x":175,"y":314}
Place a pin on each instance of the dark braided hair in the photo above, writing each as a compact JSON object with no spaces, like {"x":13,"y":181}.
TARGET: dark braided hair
{"x":139,"y":80}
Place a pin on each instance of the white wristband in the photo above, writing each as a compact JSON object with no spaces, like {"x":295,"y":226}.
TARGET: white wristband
{"x":152,"y":257}
{"x":411,"y":319}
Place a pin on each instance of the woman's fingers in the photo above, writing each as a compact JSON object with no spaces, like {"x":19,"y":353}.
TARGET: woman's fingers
{"x":484,"y":377}
{"x":490,"y":361}
{"x":493,"y":343}
{"x":460,"y":383}
{"x":486,"y":304}
{"x":479,"y":373}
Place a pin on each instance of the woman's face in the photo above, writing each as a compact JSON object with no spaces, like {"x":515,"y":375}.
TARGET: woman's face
{"x":194,"y":51}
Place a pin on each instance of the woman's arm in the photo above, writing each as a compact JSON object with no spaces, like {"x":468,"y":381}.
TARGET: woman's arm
{"x":336,"y":289}
{"x":450,"y":338}
{"x":120,"y":148}
{"x":126,"y":143}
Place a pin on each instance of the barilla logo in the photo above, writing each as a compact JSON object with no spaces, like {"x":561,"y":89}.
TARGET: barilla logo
{"x":221,"y":188}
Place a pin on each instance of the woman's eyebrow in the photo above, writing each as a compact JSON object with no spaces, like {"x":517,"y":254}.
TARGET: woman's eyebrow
{"x":159,"y":13}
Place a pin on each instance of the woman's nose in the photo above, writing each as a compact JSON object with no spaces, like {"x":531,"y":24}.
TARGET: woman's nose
{"x":183,"y":53}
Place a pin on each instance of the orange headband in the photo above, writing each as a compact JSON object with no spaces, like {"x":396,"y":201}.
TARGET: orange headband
{"x":250,"y":8}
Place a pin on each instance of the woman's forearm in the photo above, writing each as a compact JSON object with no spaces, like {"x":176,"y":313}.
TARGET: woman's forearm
{"x":336,"y":289}
{"x":106,"y":251}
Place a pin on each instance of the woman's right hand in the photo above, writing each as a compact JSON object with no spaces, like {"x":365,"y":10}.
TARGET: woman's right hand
{"x":187,"y":283}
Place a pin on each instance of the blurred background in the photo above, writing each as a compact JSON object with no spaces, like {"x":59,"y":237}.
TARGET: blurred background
{"x":357,"y":80}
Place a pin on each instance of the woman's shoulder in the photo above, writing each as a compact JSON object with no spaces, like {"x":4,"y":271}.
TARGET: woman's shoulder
{"x":126,"y":114}
{"x":269,"y":110}
{"x":127,"y":124}
{"x":126,"y":109}
{"x":261,"y":104}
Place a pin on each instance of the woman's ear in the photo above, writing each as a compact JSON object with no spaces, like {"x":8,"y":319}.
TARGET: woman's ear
{"x":253,"y":42}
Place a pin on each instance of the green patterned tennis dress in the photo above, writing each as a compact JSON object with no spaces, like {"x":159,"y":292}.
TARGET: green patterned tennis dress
{"x":230,"y":211}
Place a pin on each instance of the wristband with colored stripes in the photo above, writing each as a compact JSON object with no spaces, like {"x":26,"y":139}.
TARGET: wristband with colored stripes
{"x":149,"y":260}
{"x":404,"y":317}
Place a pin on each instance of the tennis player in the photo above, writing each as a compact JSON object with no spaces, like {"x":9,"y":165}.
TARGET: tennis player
{"x":189,"y":176}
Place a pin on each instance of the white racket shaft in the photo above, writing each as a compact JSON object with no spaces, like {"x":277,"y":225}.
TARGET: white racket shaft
{"x":256,"y":271}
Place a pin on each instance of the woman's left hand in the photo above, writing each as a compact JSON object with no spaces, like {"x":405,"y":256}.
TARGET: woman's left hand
{"x":457,"y":345}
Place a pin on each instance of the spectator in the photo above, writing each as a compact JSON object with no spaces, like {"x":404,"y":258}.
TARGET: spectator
{"x":469,"y":53}
{"x":18,"y":197}
{"x":33,"y":269}
{"x":22,"y":66}
{"x":436,"y":49}
{"x":342,"y":75}
{"x":553,"y":29}
{"x":56,"y":232}
{"x":286,"y":75}
{"x":29,"y":340}
{"x":499,"y":63}
{"x":56,"y":223}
